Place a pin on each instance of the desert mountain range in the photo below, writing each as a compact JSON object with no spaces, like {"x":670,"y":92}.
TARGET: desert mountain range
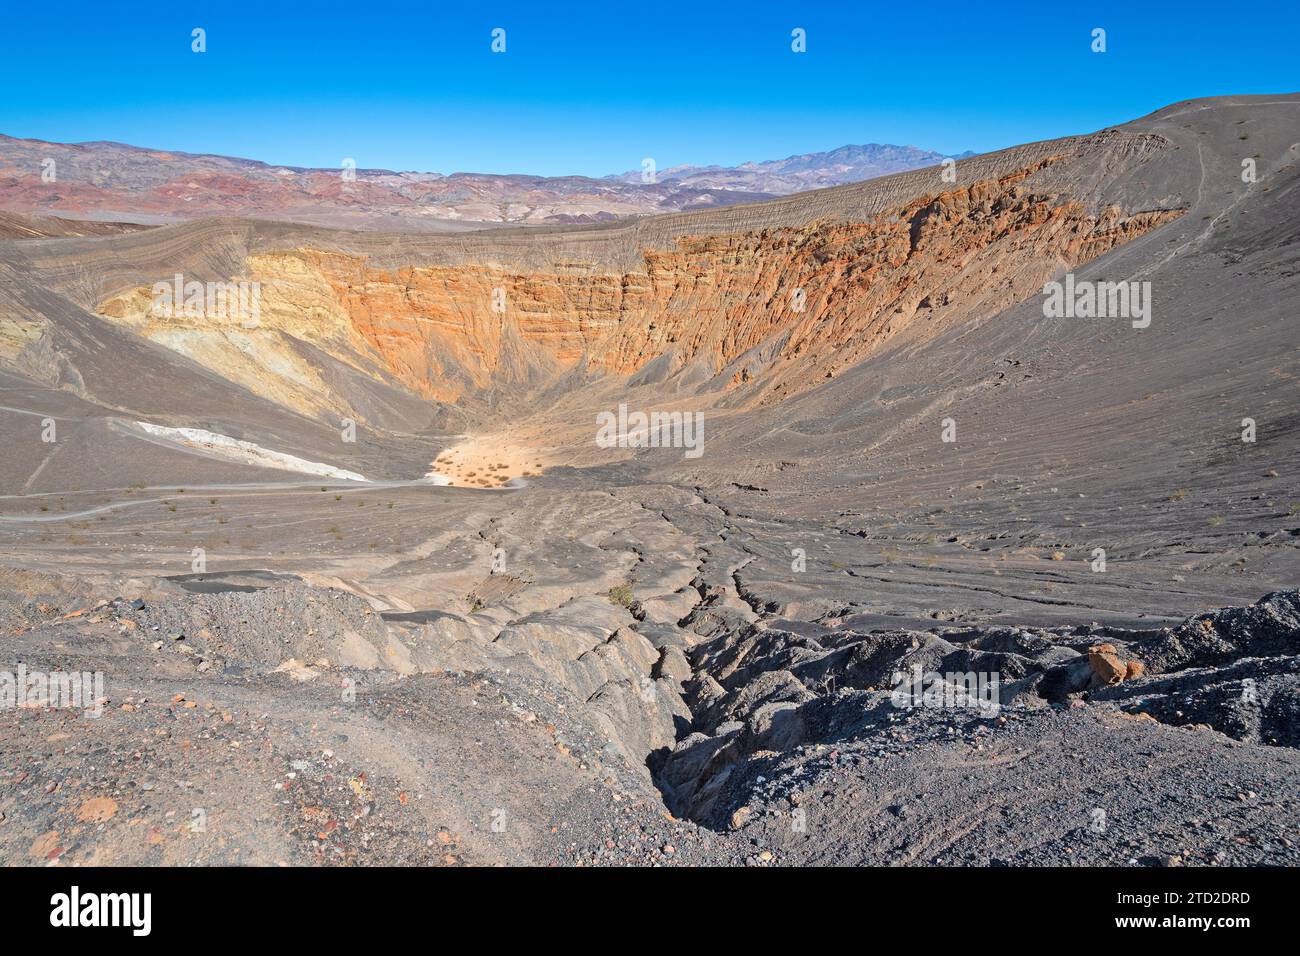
{"x":103,"y":180}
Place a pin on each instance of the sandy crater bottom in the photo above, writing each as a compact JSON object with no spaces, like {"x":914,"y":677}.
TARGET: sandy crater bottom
{"x":488,"y":461}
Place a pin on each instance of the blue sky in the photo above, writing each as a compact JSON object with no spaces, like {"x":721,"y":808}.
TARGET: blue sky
{"x":593,"y":88}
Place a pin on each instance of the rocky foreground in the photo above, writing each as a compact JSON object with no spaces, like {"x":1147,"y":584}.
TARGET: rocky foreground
{"x":268,"y":722}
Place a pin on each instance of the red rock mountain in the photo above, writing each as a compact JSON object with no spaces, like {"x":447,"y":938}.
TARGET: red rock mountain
{"x":113,"y":181}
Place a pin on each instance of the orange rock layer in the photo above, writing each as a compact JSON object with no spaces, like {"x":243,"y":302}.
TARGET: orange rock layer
{"x":826,"y":292}
{"x":775,"y":310}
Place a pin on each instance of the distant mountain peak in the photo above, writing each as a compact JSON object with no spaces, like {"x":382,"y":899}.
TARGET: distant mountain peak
{"x":850,"y":163}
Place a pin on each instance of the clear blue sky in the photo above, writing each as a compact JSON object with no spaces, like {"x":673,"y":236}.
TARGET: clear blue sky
{"x":592,"y":89}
